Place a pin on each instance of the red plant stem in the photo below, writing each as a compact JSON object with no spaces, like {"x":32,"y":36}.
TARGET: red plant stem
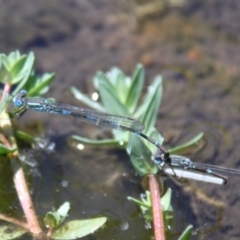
{"x":24,"y":198}
{"x":6,"y":90}
{"x":13,"y":220}
{"x":50,"y":230}
{"x":158,"y":222}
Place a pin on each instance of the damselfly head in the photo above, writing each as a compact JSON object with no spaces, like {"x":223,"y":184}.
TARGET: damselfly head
{"x":18,"y":100}
{"x":13,"y":105}
{"x":158,"y":157}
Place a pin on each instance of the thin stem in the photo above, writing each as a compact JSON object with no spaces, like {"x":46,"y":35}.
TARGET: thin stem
{"x":24,"y":198}
{"x":158,"y":222}
{"x":50,"y":231}
{"x":6,"y":90}
{"x":15,"y":221}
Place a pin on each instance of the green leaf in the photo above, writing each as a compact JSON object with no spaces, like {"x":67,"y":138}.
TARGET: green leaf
{"x":115,"y":76}
{"x":188,"y":145}
{"x":86,"y":100}
{"x":63,"y":209}
{"x":187,"y":233}
{"x":5,"y":62}
{"x":13,"y":57}
{"x":109,"y":98}
{"x":55,"y":218}
{"x":166,"y":201}
{"x":140,"y":156}
{"x":120,"y":82}
{"x":78,"y":228}
{"x":147,"y":98}
{"x":150,"y":115}
{"x":27,"y":69}
{"x":100,"y":78}
{"x":136,"y":88}
{"x":5,"y":76}
{"x":157,"y":137}
{"x":25,"y":137}
{"x":11,"y":232}
{"x":140,"y":203}
{"x":50,"y":220}
{"x":39,"y":85}
{"x":18,"y":71}
{"x":146,"y":204}
{"x":16,"y":68}
{"x":4,"y":150}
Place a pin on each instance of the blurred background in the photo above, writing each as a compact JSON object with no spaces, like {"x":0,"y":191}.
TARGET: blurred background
{"x":194,"y":45}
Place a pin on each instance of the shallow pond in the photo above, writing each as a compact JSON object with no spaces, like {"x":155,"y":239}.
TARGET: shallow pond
{"x":195,"y":49}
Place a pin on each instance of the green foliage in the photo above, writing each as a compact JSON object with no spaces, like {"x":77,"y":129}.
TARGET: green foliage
{"x":38,"y":85}
{"x":78,"y":228}
{"x":73,"y":229}
{"x":4,"y":149}
{"x":17,"y":69}
{"x":55,"y":218}
{"x":140,"y":156}
{"x":120,"y":95}
{"x":122,"y":91}
{"x":146,"y":204}
{"x":24,"y":136}
{"x":186,"y":235}
{"x":11,"y":232}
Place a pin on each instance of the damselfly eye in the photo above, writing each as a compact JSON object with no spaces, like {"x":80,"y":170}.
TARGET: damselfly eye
{"x":18,"y":102}
{"x":158,"y":160}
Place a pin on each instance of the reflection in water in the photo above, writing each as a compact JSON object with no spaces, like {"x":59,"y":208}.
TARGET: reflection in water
{"x":215,"y":147}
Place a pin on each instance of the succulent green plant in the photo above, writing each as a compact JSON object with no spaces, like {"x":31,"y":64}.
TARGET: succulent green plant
{"x":17,"y":72}
{"x":121,"y":94}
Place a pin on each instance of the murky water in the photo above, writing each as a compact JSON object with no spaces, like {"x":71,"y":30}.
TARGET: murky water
{"x":195,"y":48}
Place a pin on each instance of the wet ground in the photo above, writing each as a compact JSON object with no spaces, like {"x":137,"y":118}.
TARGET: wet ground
{"x":195,"y":48}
